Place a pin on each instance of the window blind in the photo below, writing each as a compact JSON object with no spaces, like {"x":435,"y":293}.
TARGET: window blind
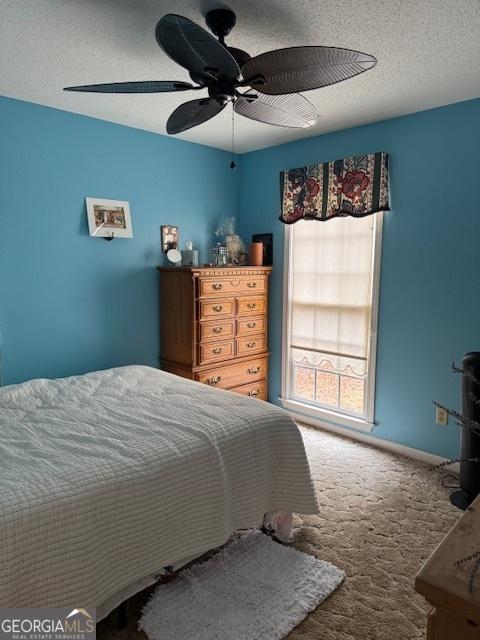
{"x":331,"y":291}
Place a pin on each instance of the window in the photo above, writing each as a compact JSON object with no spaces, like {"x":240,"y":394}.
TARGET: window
{"x":331,"y":300}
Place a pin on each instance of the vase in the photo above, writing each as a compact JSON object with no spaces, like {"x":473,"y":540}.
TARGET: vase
{"x":235,"y":248}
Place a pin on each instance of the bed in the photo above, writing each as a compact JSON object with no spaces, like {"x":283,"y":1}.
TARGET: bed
{"x":110,"y":478}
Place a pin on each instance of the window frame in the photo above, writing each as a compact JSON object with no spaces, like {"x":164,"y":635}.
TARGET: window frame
{"x":343,"y":418}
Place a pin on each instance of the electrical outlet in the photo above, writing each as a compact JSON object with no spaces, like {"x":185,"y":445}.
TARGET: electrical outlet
{"x":441,"y":416}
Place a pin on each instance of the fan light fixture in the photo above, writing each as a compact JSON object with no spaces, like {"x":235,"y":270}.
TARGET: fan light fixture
{"x":273,"y":79}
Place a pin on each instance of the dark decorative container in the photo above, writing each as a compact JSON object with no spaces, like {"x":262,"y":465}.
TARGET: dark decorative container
{"x":469,"y":439}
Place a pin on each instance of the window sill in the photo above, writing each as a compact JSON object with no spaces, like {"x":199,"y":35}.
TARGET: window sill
{"x":328,"y":416}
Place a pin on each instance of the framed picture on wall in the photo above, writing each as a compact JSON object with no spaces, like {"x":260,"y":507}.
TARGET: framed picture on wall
{"x":109,"y":218}
{"x":169,"y":237}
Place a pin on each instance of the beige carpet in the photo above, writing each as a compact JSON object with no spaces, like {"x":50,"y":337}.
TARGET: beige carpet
{"x":381,"y":517}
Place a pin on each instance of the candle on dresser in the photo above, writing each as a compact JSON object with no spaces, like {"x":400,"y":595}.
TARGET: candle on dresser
{"x":256,"y":254}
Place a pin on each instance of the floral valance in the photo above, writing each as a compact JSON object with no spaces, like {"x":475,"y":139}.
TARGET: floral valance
{"x":355,"y":186}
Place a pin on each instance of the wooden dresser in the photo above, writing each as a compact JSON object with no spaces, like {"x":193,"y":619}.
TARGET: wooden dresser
{"x":213,"y":326}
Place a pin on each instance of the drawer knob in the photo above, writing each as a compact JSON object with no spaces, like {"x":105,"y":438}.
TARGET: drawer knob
{"x":251,"y":305}
{"x":253,"y":370}
{"x":254,"y":393}
{"x":217,"y":286}
{"x":217,"y":350}
{"x":251,"y":325}
{"x":217,"y":307}
{"x":213,"y":380}
{"x":252,"y":285}
{"x":217,"y":329}
{"x":250,"y":345}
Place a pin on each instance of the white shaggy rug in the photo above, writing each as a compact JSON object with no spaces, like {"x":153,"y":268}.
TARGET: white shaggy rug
{"x":252,"y":589}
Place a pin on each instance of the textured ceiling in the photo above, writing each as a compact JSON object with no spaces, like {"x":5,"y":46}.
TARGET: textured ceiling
{"x":428,"y":55}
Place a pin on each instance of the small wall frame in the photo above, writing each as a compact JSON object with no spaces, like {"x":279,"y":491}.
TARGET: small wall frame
{"x":108,"y":219}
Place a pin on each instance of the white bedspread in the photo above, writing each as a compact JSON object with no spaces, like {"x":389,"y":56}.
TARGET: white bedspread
{"x":105,"y":478}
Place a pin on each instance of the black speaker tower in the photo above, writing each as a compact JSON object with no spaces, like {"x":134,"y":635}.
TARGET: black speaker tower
{"x":469,"y":439}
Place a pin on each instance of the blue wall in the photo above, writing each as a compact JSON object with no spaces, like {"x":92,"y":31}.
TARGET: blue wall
{"x":70,"y":303}
{"x":430,"y":287}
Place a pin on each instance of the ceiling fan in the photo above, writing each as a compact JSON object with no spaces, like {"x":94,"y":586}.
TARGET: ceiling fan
{"x":272,"y":80}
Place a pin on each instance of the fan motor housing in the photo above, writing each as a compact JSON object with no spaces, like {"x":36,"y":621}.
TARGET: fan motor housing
{"x":221,"y":91}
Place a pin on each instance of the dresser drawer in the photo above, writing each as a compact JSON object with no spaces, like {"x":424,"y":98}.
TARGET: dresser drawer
{"x":246,"y":306}
{"x":216,"y":330}
{"x":251,"y":344}
{"x":212,"y":351}
{"x":234,"y":375}
{"x":231,"y":285}
{"x":250,"y":325}
{"x":211,"y":309}
{"x":256,"y":390}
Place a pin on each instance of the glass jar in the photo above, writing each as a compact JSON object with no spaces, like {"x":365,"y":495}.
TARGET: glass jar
{"x":222,"y":259}
{"x":213,"y":256}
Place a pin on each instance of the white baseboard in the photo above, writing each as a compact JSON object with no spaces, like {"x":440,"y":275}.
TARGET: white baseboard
{"x":374,"y":441}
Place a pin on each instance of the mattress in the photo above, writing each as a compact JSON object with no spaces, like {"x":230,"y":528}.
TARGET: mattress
{"x":108,"y":477}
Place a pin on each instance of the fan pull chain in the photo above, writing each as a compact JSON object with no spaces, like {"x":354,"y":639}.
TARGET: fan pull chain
{"x":233,"y":166}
